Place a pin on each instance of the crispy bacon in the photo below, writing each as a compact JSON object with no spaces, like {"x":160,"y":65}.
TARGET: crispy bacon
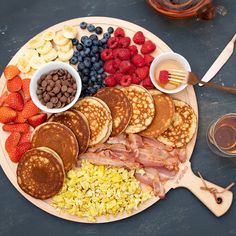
{"x":121,"y":138}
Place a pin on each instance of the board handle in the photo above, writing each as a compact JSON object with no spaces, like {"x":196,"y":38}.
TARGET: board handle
{"x":218,"y":204}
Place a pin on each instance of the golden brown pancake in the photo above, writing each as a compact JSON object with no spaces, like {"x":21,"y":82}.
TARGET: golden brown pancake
{"x":59,"y":138}
{"x":164,"y":107}
{"x":78,"y":123}
{"x":120,"y":107}
{"x":40,"y":173}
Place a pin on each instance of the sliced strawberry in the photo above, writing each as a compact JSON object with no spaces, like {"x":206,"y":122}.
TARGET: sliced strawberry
{"x":7,"y":114}
{"x":25,"y":137}
{"x":30,"y":109}
{"x":3,"y":98}
{"x":11,"y":71}
{"x":15,"y":101}
{"x":19,"y":151}
{"x":12,"y":141}
{"x":36,"y":120}
{"x":15,"y":84}
{"x":26,"y":89}
{"x":19,"y":118}
{"x":22,"y":128}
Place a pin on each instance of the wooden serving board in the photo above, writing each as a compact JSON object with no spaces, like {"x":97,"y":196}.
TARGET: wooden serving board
{"x":185,"y":177}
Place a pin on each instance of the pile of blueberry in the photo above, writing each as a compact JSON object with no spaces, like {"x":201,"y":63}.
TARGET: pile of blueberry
{"x":87,"y":55}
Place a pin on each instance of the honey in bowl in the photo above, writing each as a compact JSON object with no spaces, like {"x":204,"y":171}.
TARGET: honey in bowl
{"x":166,"y":65}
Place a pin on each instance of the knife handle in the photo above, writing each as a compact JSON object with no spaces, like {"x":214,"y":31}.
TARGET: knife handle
{"x":224,"y":88}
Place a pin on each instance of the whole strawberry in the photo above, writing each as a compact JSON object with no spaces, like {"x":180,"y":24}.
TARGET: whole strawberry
{"x":148,"y":47}
{"x":139,"y":38}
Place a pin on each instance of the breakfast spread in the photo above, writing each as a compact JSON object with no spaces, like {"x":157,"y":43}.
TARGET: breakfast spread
{"x":117,"y":146}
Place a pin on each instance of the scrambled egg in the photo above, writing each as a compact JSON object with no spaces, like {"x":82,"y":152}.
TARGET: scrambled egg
{"x":92,"y":191}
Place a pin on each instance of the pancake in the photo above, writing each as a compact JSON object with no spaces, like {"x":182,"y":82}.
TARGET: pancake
{"x":142,"y":106}
{"x":120,"y":107}
{"x":182,"y":128}
{"x":98,"y":116}
{"x":59,"y":138}
{"x":78,"y":123}
{"x":164,"y":107}
{"x":40,"y":173}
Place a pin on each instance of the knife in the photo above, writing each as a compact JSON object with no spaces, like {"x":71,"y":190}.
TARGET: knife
{"x":220,"y":61}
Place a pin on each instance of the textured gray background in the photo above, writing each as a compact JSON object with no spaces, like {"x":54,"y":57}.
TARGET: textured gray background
{"x":200,"y":42}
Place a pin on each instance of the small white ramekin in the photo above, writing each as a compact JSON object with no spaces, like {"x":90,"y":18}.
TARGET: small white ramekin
{"x":168,"y":56}
{"x":46,"y":68}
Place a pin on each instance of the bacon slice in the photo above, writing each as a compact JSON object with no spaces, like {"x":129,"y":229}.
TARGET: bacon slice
{"x":121,"y":138}
{"x":152,"y":142}
{"x":135,"y":141}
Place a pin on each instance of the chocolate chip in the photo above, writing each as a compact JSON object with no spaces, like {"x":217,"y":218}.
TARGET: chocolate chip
{"x":64,"y":88}
{"x":70,"y":90}
{"x":74,"y":86}
{"x":44,"y":83}
{"x":51,"y":94}
{"x":66,"y":94}
{"x":40,"y":96}
{"x":58,"y":105}
{"x":63,"y":99}
{"x":49,"y":105}
{"x":55,"y":77}
{"x":46,"y":98}
{"x":39,"y":92}
{"x":49,"y":88}
{"x":56,"y":90}
{"x":59,"y":95}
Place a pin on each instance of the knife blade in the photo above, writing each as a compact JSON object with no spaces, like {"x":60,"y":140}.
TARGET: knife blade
{"x":220,"y":61}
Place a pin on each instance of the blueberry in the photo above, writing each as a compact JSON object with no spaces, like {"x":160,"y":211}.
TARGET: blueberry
{"x":93,"y":59}
{"x":93,"y":37}
{"x":83,"y":25}
{"x":86,"y":71}
{"x":93,"y":78}
{"x":100,"y":71}
{"x":95,"y":49}
{"x":87,"y":51}
{"x":103,"y":40}
{"x":81,"y":66}
{"x":87,"y":63}
{"x":75,"y":41}
{"x":96,"y":66}
{"x":103,"y":75}
{"x":73,"y":60}
{"x":82,"y":54}
{"x":92,"y":73}
{"x":106,"y":35}
{"x":80,"y":58}
{"x":90,"y":84}
{"x":98,"y":30}
{"x":100,"y":49}
{"x":83,"y":38}
{"x":85,"y":79}
{"x":90,"y":28}
{"x":104,"y":46}
{"x":76,"y":53}
{"x":100,"y":43}
{"x":101,"y":62}
{"x":110,"y":30}
{"x":79,"y":47}
{"x":97,"y":56}
{"x":93,"y":90}
{"x":95,"y":42}
{"x":97,"y":86}
{"x":88,"y":43}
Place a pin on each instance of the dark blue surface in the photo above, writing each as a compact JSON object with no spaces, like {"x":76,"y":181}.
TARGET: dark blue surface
{"x":200,"y":42}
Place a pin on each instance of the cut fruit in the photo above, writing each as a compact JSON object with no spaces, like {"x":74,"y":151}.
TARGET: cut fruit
{"x":69,"y":32}
{"x":36,"y":61}
{"x":50,"y":56}
{"x":65,"y":56}
{"x":30,"y":53}
{"x":36,"y":42}
{"x":45,"y":48}
{"x":59,"y":39}
{"x":48,"y":35}
{"x":66,"y":47}
{"x":23,"y":64}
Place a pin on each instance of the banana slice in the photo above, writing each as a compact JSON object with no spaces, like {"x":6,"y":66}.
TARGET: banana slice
{"x":65,"y":56}
{"x":48,"y":35}
{"x":59,"y":39}
{"x":36,"y":61}
{"x":23,"y":64}
{"x":30,"y":73}
{"x":45,"y":48}
{"x":65,"y":47}
{"x":30,"y":53}
{"x":50,"y":56}
{"x":69,"y":32}
{"x":36,"y":42}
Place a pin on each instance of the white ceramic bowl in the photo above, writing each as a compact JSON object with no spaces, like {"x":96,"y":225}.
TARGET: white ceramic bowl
{"x":46,"y":69}
{"x":168,"y":56}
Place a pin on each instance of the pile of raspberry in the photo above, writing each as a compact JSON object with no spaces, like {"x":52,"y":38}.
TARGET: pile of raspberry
{"x":123,"y":61}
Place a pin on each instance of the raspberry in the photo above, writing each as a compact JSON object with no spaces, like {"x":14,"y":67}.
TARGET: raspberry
{"x":119,"y":32}
{"x":139,"y":38}
{"x":148,"y":59}
{"x":142,"y":72}
{"x":131,"y":69}
{"x":148,"y":47}
{"x":147,"y":83}
{"x":115,"y":52}
{"x":124,"y":42}
{"x":110,"y":81}
{"x":116,"y":63}
{"x":135,"y":79}
{"x":109,"y":67}
{"x":106,"y":54}
{"x":138,"y":60}
{"x":164,"y":77}
{"x":125,"y":66}
{"x":118,"y":77}
{"x":124,"y":54}
{"x":133,"y":50}
{"x":113,"y":42}
{"x":125,"y":80}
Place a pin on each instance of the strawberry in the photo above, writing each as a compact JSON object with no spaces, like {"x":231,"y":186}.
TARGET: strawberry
{"x":113,"y":42}
{"x":106,"y":54}
{"x":11,"y":71}
{"x":109,"y":67}
{"x":138,"y":60}
{"x":139,"y":38}
{"x":14,"y":84}
{"x":124,"y":54}
{"x":148,"y":59}
{"x":12,"y":141}
{"x":126,"y":80}
{"x":148,"y":47}
{"x":7,"y":114}
{"x":21,"y":128}
{"x":125,"y":66}
{"x":19,"y":118}
{"x":26,"y":89}
{"x":135,"y":79}
{"x":124,"y":42}
{"x":110,"y":81}
{"x":142,"y":72}
{"x":119,"y":32}
{"x":36,"y":120}
{"x":118,"y":77}
{"x":15,"y":101}
{"x":133,"y":50}
{"x":30,"y":109}
{"x":3,"y":98}
{"x":19,"y":151}
{"x":25,"y":137}
{"x":147,"y":83}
